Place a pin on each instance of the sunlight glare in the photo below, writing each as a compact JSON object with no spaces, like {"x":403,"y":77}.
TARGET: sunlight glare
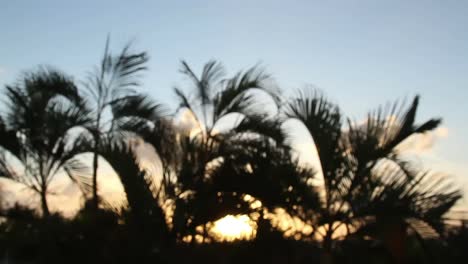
{"x":233,"y":227}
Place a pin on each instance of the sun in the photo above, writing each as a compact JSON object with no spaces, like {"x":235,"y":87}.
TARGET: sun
{"x":233,"y":227}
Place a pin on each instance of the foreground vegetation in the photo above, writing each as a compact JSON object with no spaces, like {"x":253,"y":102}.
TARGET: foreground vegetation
{"x":367,"y":201}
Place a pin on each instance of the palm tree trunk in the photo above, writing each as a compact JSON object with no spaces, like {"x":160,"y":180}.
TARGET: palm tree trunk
{"x":205,"y":233}
{"x":95,"y":198}
{"x":44,"y":205}
{"x":326,"y":256}
{"x":395,"y":241}
{"x":43,"y":189}
{"x":96,"y":135}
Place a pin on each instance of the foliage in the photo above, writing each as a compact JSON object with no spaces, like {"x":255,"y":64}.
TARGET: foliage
{"x":366,"y":202}
{"x":35,"y":131}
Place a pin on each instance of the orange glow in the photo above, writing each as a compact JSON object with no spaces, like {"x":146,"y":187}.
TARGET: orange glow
{"x":232,"y":227}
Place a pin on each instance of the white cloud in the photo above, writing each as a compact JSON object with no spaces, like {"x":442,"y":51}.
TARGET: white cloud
{"x":442,"y":132}
{"x":64,"y":195}
{"x":423,"y":143}
{"x":186,"y":120}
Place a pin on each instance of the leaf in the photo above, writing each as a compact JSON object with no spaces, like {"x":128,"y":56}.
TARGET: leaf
{"x":233,"y":98}
{"x":139,"y":187}
{"x":263,"y":126}
{"x":135,"y":109}
{"x":211,"y":74}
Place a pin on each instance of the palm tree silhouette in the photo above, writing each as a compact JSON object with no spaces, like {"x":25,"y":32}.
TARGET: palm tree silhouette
{"x":147,"y":218}
{"x":366,"y":192}
{"x":207,"y":147}
{"x":115,"y":104}
{"x":37,"y":144}
{"x":364,"y":175}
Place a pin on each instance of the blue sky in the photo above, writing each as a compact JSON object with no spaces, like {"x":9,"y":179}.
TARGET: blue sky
{"x":361,"y":53}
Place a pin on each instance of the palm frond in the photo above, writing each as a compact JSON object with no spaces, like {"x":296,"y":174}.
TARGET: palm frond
{"x":323,"y":121}
{"x":211,"y":74}
{"x":124,"y":70}
{"x":116,"y":76}
{"x":385,"y":129}
{"x":186,"y":104}
{"x":233,"y":98}
{"x":9,"y":139}
{"x":79,"y":173}
{"x":260,"y":125}
{"x":139,"y":187}
{"x":132,"y":110}
{"x":409,"y":194}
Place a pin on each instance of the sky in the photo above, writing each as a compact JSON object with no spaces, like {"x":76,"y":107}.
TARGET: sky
{"x":360,"y":53}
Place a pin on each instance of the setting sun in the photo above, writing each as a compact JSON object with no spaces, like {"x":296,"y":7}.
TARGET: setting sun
{"x":233,"y":227}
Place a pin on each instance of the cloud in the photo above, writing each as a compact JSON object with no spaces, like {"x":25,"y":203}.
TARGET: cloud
{"x":423,"y":143}
{"x":187,"y":121}
{"x":442,"y":132}
{"x":12,"y":192}
{"x":64,"y":196}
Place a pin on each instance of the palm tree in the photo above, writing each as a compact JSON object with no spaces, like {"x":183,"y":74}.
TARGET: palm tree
{"x":35,"y":137}
{"x":115,"y":104}
{"x":404,"y":199}
{"x":147,"y":218}
{"x":271,"y":177}
{"x":207,"y":147}
{"x":355,"y":163}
